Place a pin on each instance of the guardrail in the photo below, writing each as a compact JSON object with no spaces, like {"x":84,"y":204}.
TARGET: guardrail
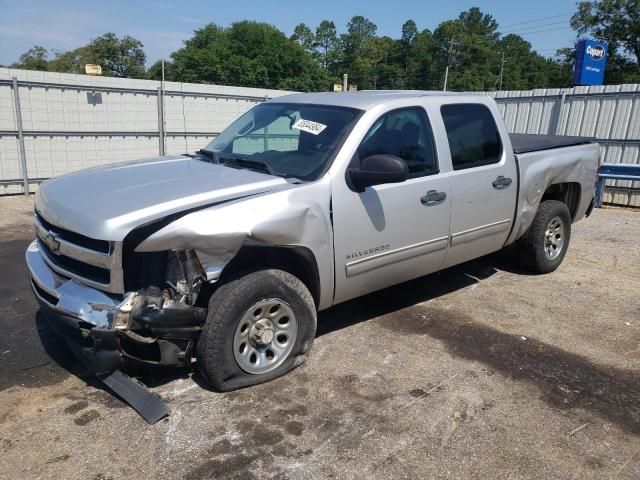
{"x":614,"y":171}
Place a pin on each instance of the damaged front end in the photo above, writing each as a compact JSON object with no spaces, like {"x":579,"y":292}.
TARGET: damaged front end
{"x":155,"y":325}
{"x":159,"y":323}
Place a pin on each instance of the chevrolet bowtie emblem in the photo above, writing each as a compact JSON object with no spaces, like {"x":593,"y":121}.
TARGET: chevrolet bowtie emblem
{"x":51,"y":239}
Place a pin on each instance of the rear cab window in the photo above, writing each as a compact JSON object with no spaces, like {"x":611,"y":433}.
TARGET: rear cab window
{"x":474,"y":139}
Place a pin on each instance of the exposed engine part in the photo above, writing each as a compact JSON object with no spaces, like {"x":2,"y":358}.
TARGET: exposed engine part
{"x":121,"y":320}
{"x":185,"y":275}
{"x":153,"y":311}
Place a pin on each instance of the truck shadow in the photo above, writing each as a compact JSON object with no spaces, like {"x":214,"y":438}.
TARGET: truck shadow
{"x":565,"y":380}
{"x":416,"y":291}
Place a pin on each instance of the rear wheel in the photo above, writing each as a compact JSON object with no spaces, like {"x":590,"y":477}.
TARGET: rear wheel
{"x":543,"y":247}
{"x":259,"y":327}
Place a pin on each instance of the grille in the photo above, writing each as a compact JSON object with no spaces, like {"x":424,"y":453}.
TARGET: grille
{"x":101,"y":246}
{"x":77,"y":268}
{"x":97,"y":263}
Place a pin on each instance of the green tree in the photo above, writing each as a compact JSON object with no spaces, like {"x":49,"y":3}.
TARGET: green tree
{"x":420,"y":67}
{"x":356,"y":46}
{"x":36,"y":58}
{"x":472,"y":40}
{"x":359,"y":30}
{"x":118,"y":57}
{"x":376,"y":67}
{"x":72,"y":61}
{"x":523,"y":68}
{"x":326,"y":39}
{"x":245,"y":54}
{"x":408,"y":42}
{"x":304,"y":36}
{"x":616,"y":22}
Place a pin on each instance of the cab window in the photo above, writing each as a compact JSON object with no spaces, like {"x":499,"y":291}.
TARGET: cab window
{"x":473,"y":136}
{"x":405,"y":133}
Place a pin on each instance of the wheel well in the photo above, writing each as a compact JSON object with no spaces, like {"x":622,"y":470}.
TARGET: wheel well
{"x":568,"y":193}
{"x":298,"y":261}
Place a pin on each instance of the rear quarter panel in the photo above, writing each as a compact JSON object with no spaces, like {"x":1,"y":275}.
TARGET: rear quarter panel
{"x":539,"y":170}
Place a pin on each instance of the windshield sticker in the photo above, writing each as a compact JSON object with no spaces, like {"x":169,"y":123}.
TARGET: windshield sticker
{"x":310,"y":127}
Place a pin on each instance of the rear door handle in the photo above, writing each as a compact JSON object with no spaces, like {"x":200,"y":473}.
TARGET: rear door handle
{"x":501,"y":182}
{"x":433,"y":197}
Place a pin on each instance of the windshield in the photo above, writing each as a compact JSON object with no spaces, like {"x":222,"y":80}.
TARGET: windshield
{"x":287,"y":139}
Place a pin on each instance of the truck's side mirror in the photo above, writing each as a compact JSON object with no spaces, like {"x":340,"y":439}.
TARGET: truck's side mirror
{"x":378,"y":169}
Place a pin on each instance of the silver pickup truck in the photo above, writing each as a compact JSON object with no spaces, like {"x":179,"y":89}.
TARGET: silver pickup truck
{"x":223,"y":258}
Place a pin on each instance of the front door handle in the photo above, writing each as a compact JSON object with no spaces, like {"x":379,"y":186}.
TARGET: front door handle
{"x":433,"y":197}
{"x":501,"y":182}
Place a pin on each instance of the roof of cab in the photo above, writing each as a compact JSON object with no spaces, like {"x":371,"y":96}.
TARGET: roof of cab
{"x":362,"y":100}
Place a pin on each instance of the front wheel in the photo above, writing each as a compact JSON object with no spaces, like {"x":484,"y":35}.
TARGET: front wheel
{"x":543,"y":247}
{"x":259,"y":327}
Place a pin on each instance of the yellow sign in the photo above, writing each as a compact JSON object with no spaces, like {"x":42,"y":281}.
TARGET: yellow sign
{"x":93,"y":69}
{"x":353,"y":87}
{"x":337,"y":87}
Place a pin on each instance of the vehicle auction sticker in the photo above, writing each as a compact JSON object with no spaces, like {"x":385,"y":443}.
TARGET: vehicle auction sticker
{"x":308,"y":126}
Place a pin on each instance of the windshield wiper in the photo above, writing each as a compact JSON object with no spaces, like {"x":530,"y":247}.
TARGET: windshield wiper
{"x":258,"y":165}
{"x":209,"y":154}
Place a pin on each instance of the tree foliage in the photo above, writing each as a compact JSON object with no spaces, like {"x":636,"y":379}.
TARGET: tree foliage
{"x":36,"y":58}
{"x":259,"y":55}
{"x":118,"y":57}
{"x":616,"y":22}
{"x":245,"y":54}
{"x":304,"y":36}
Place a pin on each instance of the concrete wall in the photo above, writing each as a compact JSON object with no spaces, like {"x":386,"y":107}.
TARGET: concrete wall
{"x":65,"y":129}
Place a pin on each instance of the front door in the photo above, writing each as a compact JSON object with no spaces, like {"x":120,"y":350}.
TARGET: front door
{"x":394,"y":232}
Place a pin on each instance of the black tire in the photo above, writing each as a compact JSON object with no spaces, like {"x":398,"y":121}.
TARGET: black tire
{"x":531,"y":246}
{"x":214,"y":350}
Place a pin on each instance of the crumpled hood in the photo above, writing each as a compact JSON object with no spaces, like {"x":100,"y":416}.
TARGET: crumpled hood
{"x":108,"y":202}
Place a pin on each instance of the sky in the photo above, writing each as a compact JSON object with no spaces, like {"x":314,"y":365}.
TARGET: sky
{"x":163,"y":25}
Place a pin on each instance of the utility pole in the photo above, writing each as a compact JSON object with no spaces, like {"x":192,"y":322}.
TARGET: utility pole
{"x":345,"y":81}
{"x":449,"y":58}
{"x":502,"y":62}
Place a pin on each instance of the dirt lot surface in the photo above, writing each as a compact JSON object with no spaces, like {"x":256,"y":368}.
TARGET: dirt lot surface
{"x":480,"y":371}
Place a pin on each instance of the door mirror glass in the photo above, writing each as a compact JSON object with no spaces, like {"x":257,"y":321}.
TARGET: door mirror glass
{"x":378,"y":169}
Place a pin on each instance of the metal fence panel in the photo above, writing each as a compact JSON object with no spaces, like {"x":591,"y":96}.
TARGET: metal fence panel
{"x":609,"y":113}
{"x":78,"y":121}
{"x":72,"y":122}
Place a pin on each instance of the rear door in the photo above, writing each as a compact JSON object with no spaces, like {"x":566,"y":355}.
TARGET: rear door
{"x":483,"y":182}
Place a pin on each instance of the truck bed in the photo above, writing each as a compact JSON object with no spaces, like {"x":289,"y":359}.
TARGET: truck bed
{"x":524,"y":142}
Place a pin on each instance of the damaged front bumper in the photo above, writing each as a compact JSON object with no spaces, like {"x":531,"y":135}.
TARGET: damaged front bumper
{"x":110,"y":332}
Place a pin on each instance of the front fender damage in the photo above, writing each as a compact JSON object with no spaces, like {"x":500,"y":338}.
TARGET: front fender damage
{"x":297,"y":217}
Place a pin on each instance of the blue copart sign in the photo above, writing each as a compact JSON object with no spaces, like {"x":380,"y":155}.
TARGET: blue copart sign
{"x":591,"y":58}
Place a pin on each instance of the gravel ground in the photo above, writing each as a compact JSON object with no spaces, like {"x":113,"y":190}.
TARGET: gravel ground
{"x":480,"y":371}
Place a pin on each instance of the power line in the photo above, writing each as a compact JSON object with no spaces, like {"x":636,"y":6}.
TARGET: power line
{"x":530,"y":27}
{"x":538,"y":19}
{"x":545,"y":30}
